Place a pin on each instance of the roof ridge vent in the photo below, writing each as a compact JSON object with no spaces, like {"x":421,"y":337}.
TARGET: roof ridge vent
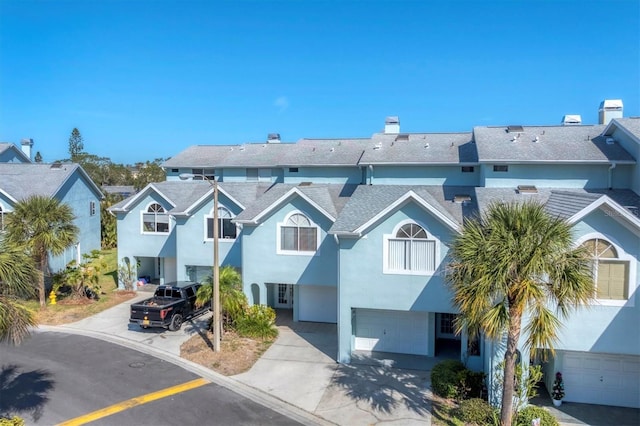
{"x":461,"y":198}
{"x":514,"y":129}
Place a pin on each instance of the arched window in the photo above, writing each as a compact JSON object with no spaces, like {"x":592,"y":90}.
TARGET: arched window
{"x":410,"y":250}
{"x":611,"y":273}
{"x":155,"y":219}
{"x":226,"y":229}
{"x":298,"y":233}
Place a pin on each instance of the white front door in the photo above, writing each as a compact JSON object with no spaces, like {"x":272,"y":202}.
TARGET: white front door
{"x":284,"y":296}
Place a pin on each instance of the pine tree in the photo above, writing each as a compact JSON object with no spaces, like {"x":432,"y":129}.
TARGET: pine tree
{"x":76,"y":145}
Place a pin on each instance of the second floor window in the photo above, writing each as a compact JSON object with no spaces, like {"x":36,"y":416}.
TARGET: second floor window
{"x":299,"y":234}
{"x":611,"y":273}
{"x":226,"y":229}
{"x":155,"y":219}
{"x":208,"y":173}
{"x":410,"y":250}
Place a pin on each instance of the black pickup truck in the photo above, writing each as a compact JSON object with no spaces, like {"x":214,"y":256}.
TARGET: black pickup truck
{"x":170,"y":305}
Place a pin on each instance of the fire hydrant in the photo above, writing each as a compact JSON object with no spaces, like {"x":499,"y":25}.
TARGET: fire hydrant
{"x":52,"y":298}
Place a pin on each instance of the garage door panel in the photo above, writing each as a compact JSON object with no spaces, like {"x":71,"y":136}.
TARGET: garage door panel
{"x":593,"y":378}
{"x":391,"y":331}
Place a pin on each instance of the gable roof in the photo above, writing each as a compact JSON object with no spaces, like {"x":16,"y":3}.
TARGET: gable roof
{"x":8,"y":146}
{"x":185,"y":196}
{"x":370,"y":203}
{"x":22,"y":180}
{"x":548,"y":144}
{"x":420,"y":148}
{"x":328,"y":199}
{"x":629,"y":125}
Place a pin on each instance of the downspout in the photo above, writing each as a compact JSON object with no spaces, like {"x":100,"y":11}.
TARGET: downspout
{"x":609,"y":177}
{"x":370,"y":174}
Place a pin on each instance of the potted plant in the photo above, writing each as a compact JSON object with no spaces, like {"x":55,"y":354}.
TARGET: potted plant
{"x":557,"y":392}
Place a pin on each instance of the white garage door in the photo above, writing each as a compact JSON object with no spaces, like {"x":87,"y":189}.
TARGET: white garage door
{"x":602,"y":379}
{"x":392,"y":331}
{"x":318,"y":303}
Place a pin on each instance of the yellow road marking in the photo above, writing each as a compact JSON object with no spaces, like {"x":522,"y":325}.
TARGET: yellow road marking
{"x":130,"y":403}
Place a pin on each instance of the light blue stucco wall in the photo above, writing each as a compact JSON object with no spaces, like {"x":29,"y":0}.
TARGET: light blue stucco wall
{"x":547,"y":176}
{"x":11,"y":156}
{"x":599,"y":328}
{"x":262,"y":264}
{"x":351,"y":175}
{"x":133,"y":243}
{"x":423,"y":175}
{"x":192,"y":249}
{"x":77,"y":194}
{"x":633,"y":148}
{"x":364,"y":285}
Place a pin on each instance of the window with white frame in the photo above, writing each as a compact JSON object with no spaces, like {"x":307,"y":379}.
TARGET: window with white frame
{"x":410,"y":250}
{"x":298,"y":234}
{"x":611,"y":273}
{"x":199,"y":173}
{"x":226,"y":229}
{"x":155,"y":219}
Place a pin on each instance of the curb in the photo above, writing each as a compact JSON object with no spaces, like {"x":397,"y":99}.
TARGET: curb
{"x":256,"y":395}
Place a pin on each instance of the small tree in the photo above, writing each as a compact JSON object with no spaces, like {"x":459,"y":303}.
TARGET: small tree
{"x":76,"y":143}
{"x":85,"y":275}
{"x":233,"y":301}
{"x":127,"y":273}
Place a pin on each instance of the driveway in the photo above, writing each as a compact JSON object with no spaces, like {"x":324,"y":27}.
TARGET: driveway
{"x":300,"y":368}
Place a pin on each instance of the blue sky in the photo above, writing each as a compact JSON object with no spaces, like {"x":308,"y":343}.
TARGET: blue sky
{"x":146,"y":79}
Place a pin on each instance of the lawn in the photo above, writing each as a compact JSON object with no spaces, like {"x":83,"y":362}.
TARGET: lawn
{"x":70,"y":309}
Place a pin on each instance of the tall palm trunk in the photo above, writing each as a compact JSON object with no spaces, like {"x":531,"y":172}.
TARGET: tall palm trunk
{"x":510,"y":357}
{"x":43,"y":267}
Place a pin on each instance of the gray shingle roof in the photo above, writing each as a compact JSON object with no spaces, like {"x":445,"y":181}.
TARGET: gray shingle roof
{"x":22,"y":180}
{"x":330,"y":197}
{"x":325,"y":152}
{"x":421,"y":148}
{"x":247,"y":155}
{"x":632,"y":124}
{"x":369,"y":201}
{"x":183,"y":194}
{"x":554,"y":144}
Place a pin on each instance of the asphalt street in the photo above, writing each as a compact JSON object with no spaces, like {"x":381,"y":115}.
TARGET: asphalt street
{"x":56,"y":377}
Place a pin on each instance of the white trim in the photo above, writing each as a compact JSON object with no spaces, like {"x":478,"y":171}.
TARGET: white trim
{"x":188,"y":210}
{"x":622,"y":256}
{"x":279,"y":226}
{"x":409,"y":195}
{"x":146,"y":211}
{"x":206,"y":217}
{"x":6,"y":194}
{"x":144,"y":193}
{"x":618,"y":210}
{"x":293,"y":191}
{"x":392,"y":235}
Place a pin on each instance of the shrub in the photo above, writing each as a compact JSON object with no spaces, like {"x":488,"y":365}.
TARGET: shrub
{"x":527,"y":414}
{"x":476,"y":411}
{"x":470,"y":384}
{"x":257,"y":321}
{"x":13,"y":421}
{"x":445,"y":379}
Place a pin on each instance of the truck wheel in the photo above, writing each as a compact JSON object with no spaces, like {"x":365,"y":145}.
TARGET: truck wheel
{"x":176,"y":322}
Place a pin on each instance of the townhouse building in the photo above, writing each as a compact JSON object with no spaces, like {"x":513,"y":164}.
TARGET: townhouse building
{"x":356,"y":232}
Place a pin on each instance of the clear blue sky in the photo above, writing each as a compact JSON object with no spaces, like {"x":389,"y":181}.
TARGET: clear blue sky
{"x":146,"y":79}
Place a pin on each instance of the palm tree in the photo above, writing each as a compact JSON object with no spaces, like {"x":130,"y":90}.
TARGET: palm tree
{"x":232,"y":299}
{"x":17,"y":279}
{"x":512,"y":261}
{"x":45,"y":226}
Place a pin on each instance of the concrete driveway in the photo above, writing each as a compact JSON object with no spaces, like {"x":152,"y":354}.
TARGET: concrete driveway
{"x":300,"y":368}
{"x":115,"y":322}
